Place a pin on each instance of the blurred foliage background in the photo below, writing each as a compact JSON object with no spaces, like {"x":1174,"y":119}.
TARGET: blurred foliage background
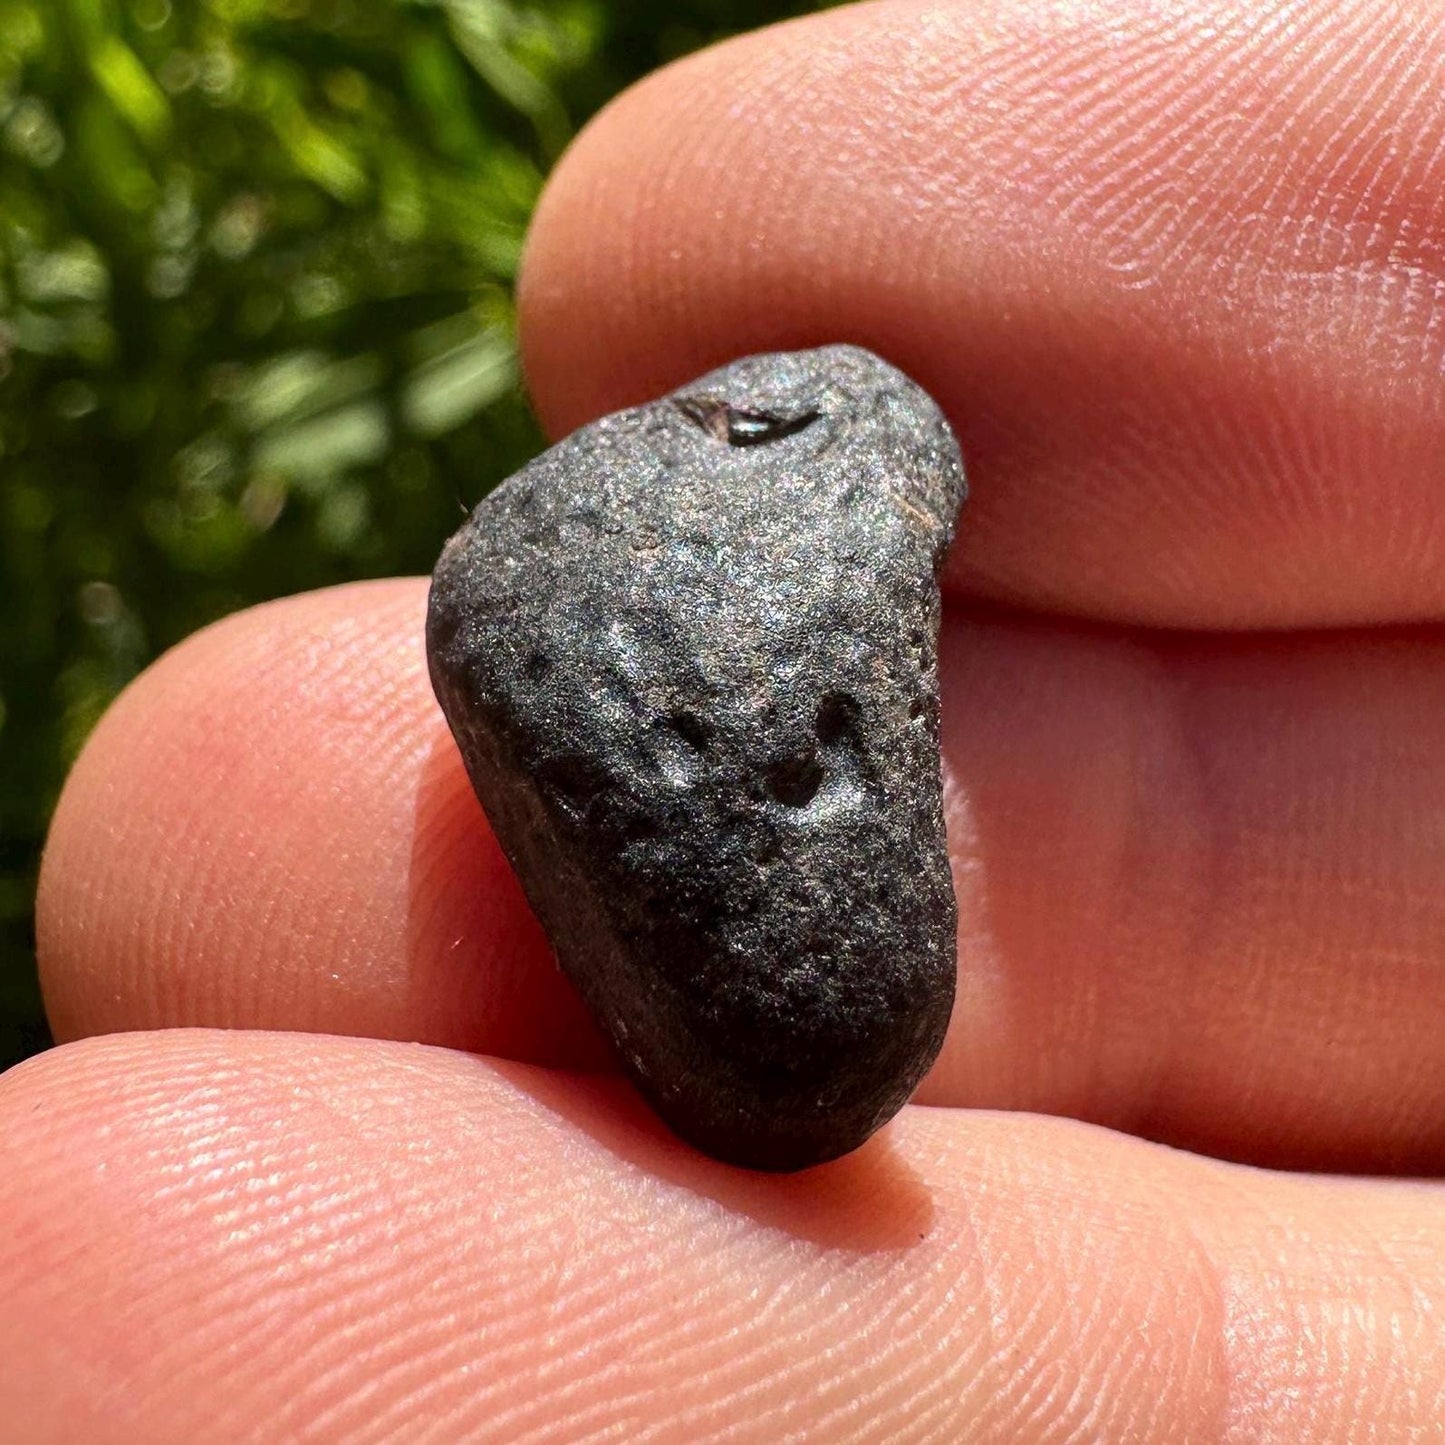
{"x":256,"y":327}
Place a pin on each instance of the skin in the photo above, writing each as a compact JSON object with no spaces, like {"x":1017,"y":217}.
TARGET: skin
{"x":334,"y":1154}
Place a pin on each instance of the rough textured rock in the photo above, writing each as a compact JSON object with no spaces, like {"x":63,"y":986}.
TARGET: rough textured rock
{"x":689,"y":657}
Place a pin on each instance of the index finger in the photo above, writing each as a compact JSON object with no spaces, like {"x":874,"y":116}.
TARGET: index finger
{"x":1177,"y":272}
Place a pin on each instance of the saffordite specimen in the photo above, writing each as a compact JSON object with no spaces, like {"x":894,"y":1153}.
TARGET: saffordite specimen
{"x":689,"y":657}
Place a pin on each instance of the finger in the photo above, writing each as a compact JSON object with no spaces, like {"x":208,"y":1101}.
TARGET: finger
{"x":271,"y":829}
{"x":1176,"y":272}
{"x":1199,"y":887}
{"x":1198,"y":882}
{"x":233,"y":1236}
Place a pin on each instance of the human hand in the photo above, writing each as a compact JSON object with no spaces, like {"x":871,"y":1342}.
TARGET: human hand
{"x":1178,"y":275}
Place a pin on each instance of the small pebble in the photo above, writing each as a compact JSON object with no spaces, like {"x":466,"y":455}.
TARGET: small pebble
{"x":689,"y":656}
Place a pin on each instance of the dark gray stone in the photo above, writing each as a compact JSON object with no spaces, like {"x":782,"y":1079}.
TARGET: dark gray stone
{"x":689,"y":656}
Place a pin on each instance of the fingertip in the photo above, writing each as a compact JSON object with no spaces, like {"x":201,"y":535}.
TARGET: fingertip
{"x":1187,"y":393}
{"x":272,"y":828}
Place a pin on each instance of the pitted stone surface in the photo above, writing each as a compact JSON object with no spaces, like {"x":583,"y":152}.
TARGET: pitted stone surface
{"x":689,"y":656}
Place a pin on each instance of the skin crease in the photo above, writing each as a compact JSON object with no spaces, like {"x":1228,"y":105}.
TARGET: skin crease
{"x":1177,"y":274}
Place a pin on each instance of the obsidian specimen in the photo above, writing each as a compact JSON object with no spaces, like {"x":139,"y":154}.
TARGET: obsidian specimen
{"x":689,"y":656}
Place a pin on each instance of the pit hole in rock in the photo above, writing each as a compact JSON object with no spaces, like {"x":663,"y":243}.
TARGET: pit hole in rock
{"x":691,"y":729}
{"x":537,"y":666}
{"x":739,"y":426}
{"x":794,"y":782}
{"x":681,"y":745}
{"x":575,"y":780}
{"x":837,"y":720}
{"x":635,"y":827}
